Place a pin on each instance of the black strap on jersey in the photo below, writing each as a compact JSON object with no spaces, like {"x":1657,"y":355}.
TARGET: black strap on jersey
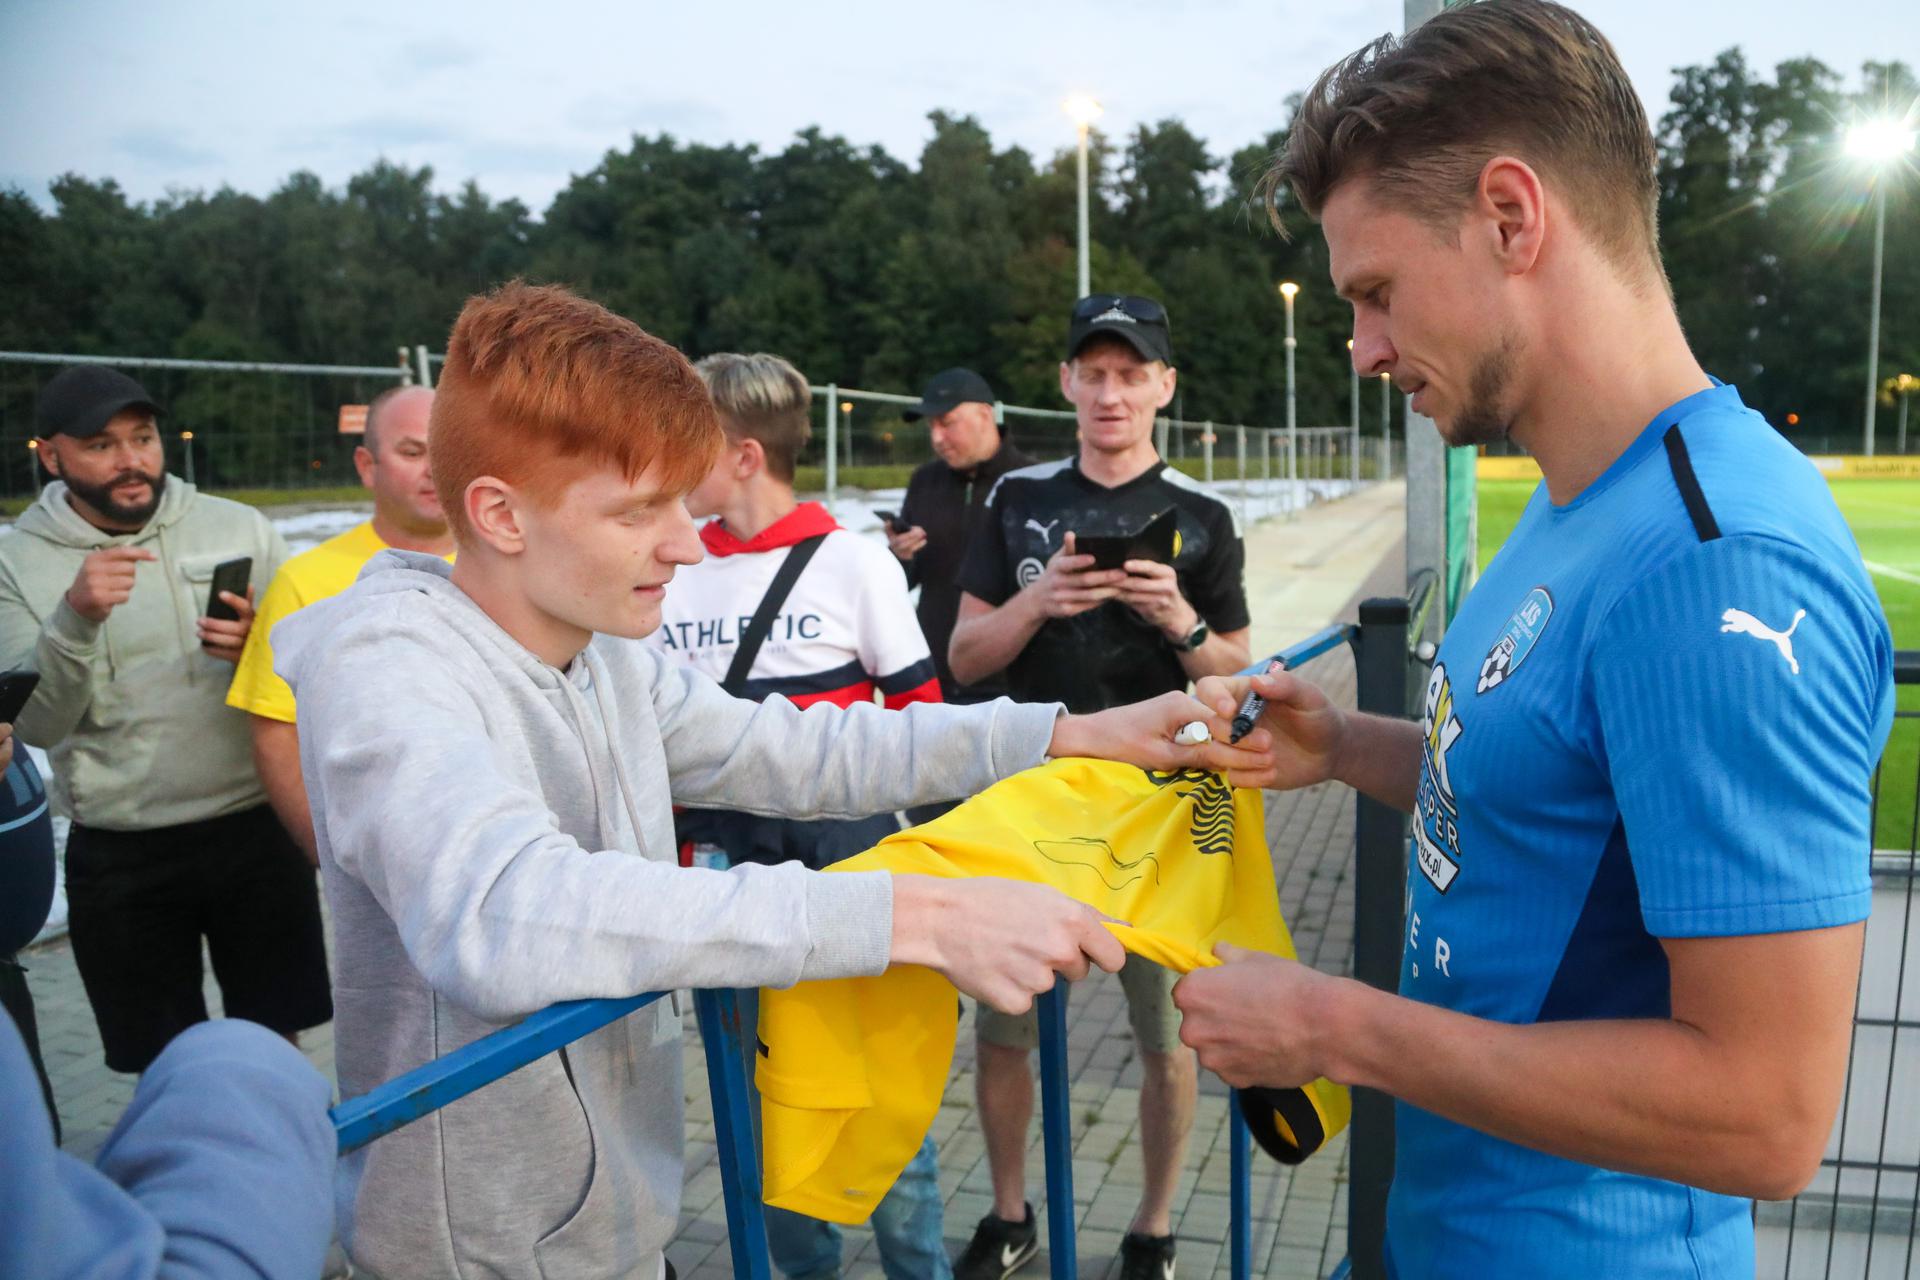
{"x":1705,"y":527}
{"x":762,"y":624}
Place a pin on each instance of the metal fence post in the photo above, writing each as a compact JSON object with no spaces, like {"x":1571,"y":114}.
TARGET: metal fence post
{"x":1293,"y":472}
{"x":1240,"y":455}
{"x":1056,"y":1125}
{"x":1380,"y":851}
{"x":425,"y":367}
{"x":1240,"y":1195}
{"x":833,"y":442}
{"x":722,"y":1036}
{"x":1206,"y":445}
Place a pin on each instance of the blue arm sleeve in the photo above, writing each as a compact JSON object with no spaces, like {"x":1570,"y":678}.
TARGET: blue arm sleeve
{"x":58,"y":1215}
{"x":227,"y":1147}
{"x":1745,"y":691}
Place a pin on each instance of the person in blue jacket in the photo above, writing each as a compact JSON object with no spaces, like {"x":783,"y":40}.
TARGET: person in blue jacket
{"x":26,"y":893}
{"x":221,"y":1168}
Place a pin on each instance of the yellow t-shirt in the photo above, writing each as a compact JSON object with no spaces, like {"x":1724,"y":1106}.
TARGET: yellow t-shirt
{"x":324,"y":571}
{"x":851,"y":1071}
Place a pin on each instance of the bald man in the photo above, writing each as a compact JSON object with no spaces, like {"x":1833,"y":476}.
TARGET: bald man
{"x":393,"y":465}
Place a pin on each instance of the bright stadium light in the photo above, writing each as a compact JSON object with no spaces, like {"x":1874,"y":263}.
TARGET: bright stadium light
{"x":1083,"y":109}
{"x":1881,"y":139}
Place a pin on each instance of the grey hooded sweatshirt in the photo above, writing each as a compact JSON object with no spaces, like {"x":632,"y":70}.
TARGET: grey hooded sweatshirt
{"x":496,"y":834}
{"x":133,"y":710}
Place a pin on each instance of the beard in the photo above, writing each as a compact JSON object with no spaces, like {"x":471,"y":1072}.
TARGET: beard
{"x":1486,"y":417}
{"x":101,"y":497}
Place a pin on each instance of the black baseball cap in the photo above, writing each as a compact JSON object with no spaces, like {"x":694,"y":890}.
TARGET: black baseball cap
{"x":947,"y":390}
{"x":1141,"y":321}
{"x":82,"y":399}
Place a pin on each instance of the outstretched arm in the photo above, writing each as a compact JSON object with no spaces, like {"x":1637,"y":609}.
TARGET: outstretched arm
{"x":1749,"y":1065}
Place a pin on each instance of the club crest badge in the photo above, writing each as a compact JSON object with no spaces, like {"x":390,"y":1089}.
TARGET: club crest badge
{"x":1516,"y":640}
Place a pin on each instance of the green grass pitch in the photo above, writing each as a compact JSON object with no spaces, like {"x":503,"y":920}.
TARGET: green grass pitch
{"x":1885,"y":518}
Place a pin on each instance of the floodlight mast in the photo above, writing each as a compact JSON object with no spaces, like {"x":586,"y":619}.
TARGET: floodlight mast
{"x":1881,"y":143}
{"x":1083,"y":110}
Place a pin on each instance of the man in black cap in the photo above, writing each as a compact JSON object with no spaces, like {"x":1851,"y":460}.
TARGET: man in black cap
{"x":104,"y":589}
{"x":1062,"y":630}
{"x":942,"y":507}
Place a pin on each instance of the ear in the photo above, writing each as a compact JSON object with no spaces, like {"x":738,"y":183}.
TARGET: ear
{"x":1167,"y":386}
{"x":1511,"y":207}
{"x":751,"y":460}
{"x":493,"y":513}
{"x":49,"y":455}
{"x":1066,"y":381}
{"x":363,"y":464}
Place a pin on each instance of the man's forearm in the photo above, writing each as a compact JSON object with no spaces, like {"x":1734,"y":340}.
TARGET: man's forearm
{"x":63,"y":654}
{"x":276,"y":757}
{"x":1381,"y":758}
{"x":1221,"y":655}
{"x":987,"y":643}
{"x":1650,"y":1096}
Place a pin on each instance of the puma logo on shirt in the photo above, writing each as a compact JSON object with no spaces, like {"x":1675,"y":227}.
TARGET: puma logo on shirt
{"x":1740,"y":622}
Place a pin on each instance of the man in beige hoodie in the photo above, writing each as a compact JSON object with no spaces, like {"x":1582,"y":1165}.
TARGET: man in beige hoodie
{"x":104,"y":586}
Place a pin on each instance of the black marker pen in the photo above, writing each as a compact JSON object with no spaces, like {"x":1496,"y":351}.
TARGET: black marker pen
{"x":1253,"y":708}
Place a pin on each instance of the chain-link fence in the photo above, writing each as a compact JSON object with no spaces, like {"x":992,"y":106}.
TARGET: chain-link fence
{"x":227,"y":424}
{"x":242,"y":425}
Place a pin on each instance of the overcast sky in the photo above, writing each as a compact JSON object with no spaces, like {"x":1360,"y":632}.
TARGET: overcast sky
{"x":185,"y":94}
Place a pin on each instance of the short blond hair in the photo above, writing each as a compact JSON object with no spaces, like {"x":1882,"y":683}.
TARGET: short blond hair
{"x":764,"y":398}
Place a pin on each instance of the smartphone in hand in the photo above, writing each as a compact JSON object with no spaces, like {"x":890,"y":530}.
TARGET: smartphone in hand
{"x":15,"y":688}
{"x":228,"y":576}
{"x":1154,"y":541}
{"x":890,"y":520}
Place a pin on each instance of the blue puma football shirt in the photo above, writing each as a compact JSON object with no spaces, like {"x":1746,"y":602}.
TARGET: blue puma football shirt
{"x":1656,"y":716}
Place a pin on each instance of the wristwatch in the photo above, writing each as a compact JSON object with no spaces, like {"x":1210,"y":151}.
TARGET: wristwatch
{"x":1195,"y":638}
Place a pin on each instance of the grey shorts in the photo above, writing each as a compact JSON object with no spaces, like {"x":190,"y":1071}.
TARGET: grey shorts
{"x":1150,"y":1008}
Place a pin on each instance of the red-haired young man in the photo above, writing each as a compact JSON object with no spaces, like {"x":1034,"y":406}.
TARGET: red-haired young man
{"x":491,"y":790}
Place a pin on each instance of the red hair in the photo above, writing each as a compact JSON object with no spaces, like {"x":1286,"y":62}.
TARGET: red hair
{"x":541,"y":385}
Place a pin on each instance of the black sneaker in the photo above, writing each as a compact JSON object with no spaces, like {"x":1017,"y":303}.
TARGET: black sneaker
{"x":1146,"y":1257}
{"x":998,"y":1248}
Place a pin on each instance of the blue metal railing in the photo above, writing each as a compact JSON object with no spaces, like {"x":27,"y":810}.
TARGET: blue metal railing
{"x":426,"y":1089}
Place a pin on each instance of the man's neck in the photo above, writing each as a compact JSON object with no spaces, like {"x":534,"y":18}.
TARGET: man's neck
{"x":761,"y":503}
{"x":1111,"y":470}
{"x":554,"y":642}
{"x":967,"y":469}
{"x":1616,"y":364}
{"x":400,"y":538}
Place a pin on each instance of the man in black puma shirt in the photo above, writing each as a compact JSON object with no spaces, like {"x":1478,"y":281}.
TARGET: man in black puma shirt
{"x":1062,"y":630}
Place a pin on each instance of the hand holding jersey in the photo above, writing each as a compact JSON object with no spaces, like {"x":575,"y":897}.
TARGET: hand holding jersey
{"x":1016,"y":937}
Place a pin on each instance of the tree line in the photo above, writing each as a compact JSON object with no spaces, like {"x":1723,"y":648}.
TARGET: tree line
{"x":872,"y":272}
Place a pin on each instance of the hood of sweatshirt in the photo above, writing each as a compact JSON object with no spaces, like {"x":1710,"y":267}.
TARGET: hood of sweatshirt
{"x":799,"y":524}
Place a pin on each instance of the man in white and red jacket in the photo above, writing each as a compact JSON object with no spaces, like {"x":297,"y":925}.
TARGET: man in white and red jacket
{"x":840,"y":632}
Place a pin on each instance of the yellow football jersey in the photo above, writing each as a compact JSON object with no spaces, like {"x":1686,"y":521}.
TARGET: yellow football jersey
{"x":851,"y":1071}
